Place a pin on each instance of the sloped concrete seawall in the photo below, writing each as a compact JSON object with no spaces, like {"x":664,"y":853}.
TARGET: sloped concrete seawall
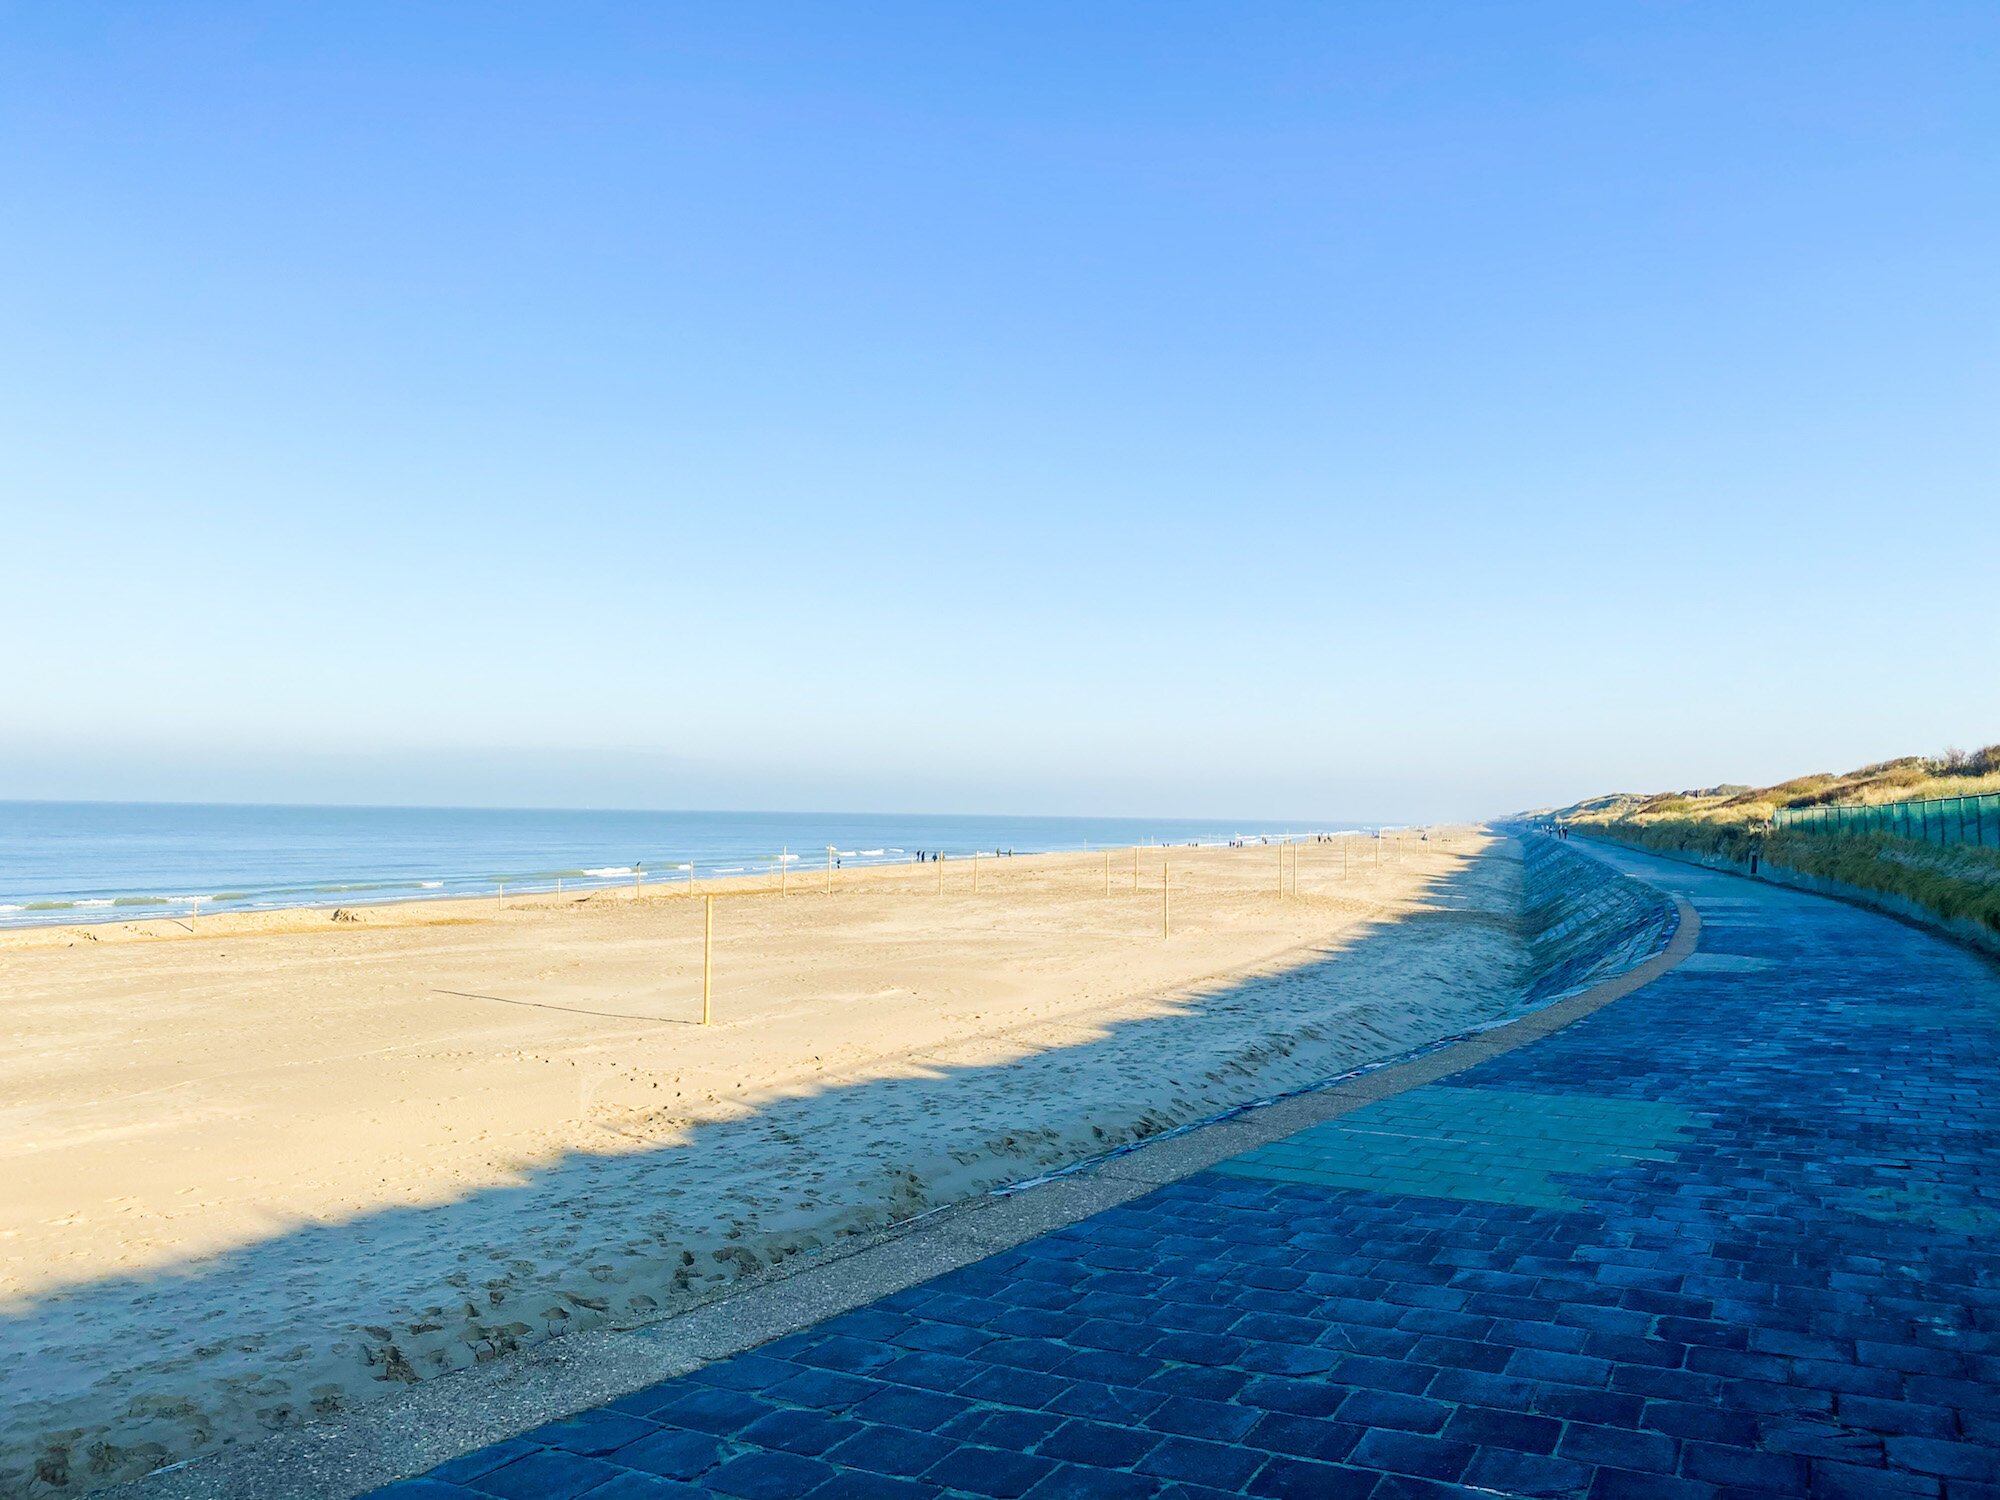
{"x":1582,"y":921}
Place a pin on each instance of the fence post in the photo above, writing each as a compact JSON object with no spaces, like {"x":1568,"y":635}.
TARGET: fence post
{"x":707,"y":953}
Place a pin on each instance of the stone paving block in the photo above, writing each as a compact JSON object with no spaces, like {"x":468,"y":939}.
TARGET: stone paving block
{"x":1080,"y":1482}
{"x":546,"y":1474}
{"x":1303,"y":1479}
{"x":1517,"y":1432}
{"x":850,"y":1484}
{"x":765,"y":1475}
{"x":465,"y":1469}
{"x":890,"y":1450}
{"x":792,"y":1430}
{"x":671,"y":1455}
{"x":1393,"y":1452}
{"x":593,"y":1432}
{"x":632,"y":1486}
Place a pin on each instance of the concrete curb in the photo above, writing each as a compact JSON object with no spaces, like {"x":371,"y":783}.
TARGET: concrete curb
{"x":423,"y":1425}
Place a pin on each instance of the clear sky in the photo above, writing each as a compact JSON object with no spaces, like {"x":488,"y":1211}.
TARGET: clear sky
{"x":1355,"y":410}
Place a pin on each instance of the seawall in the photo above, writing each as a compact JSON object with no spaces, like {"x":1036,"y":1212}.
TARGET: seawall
{"x":1583,"y":922}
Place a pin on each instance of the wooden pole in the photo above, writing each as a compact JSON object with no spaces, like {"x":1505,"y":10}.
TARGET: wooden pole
{"x":193,"y":912}
{"x":707,"y":955}
{"x":638,"y":874}
{"x":784,"y":859}
{"x":940,"y":865}
{"x":1135,"y":869}
{"x":1281,"y":869}
{"x":1166,"y":898}
{"x":829,"y":869}
{"x":500,"y":898}
{"x":975,"y":872}
{"x":1107,"y":872}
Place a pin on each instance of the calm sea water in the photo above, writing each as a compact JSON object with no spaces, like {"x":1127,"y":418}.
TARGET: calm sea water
{"x":72,"y":862}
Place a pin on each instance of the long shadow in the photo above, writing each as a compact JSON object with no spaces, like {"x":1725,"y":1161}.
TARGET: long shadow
{"x":574,"y":1010}
{"x":110,"y":1378}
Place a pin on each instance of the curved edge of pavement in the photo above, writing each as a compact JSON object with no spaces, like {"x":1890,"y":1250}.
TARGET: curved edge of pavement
{"x":439,"y":1419}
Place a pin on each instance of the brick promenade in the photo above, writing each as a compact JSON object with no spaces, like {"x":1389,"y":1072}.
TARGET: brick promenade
{"x":1737,"y":1234}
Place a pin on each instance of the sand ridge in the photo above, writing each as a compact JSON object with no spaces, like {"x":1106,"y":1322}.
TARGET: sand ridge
{"x":258,"y":1172}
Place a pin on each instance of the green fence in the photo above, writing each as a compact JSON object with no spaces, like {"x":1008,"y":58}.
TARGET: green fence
{"x":1936,"y":820}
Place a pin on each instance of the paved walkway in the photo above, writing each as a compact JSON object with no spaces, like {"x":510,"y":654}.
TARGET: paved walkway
{"x":1737,"y":1234}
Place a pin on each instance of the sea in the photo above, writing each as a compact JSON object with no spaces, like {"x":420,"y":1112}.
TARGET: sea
{"x":70,"y":862}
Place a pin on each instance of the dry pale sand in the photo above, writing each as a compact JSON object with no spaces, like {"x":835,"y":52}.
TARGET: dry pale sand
{"x":254,"y":1172}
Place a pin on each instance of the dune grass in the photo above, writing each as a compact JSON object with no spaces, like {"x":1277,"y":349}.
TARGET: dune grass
{"x":1952,"y":880}
{"x":1734,"y":822}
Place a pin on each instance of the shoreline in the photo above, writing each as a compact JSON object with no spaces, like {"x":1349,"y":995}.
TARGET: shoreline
{"x":800,"y":877}
{"x":92,"y":864}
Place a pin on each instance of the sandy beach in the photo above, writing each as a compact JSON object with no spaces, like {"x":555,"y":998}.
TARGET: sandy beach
{"x":260,"y":1170}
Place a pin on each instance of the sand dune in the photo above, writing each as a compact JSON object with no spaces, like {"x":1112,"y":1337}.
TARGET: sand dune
{"x":257,"y":1172}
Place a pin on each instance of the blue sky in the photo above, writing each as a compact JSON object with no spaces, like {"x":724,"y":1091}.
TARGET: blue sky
{"x":1343,"y":410}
